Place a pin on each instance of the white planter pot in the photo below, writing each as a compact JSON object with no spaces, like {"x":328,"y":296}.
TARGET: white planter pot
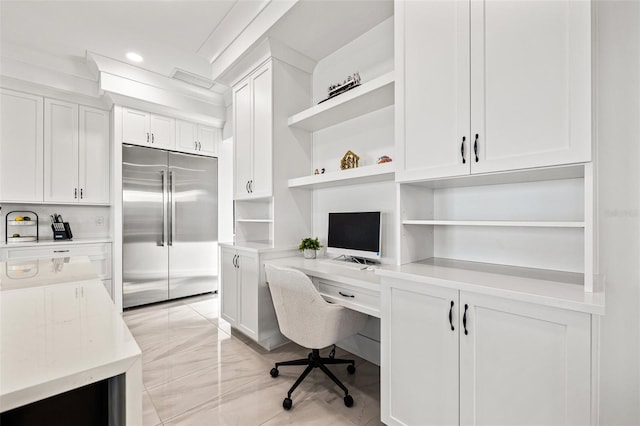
{"x":309,"y":254}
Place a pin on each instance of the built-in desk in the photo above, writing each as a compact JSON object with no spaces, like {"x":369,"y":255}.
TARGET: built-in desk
{"x":350,"y":285}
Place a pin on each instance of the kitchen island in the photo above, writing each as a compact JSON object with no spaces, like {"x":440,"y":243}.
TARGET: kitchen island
{"x":62,"y":340}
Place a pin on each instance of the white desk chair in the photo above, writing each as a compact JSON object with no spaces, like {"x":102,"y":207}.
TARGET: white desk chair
{"x":310,"y":321}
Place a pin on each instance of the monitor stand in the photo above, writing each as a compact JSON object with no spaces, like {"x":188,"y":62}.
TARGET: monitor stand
{"x":355,"y":259}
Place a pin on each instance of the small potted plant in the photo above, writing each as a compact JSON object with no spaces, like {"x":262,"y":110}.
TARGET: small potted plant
{"x":309,"y":246}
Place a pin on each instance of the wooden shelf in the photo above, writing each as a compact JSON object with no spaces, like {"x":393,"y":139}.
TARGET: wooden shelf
{"x":506,"y":223}
{"x":368,"y":97}
{"x":365,"y":174}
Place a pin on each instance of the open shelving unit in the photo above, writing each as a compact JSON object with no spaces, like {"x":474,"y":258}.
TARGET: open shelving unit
{"x":536,"y":220}
{"x":364,"y":174}
{"x":368,"y":97}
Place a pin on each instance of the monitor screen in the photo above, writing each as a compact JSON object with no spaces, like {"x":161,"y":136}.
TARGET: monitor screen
{"x":355,"y":234}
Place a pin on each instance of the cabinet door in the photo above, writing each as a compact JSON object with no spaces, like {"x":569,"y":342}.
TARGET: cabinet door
{"x":208,"y":138}
{"x":163,"y":132}
{"x":186,"y":136}
{"x":419,"y":354}
{"x":94,"y":156}
{"x":21,"y":147}
{"x":135,"y":127}
{"x":242,"y":138}
{"x":531,"y":83}
{"x":432,"y":91}
{"x":60,"y":151}
{"x":260,"y":185}
{"x":248,"y":283}
{"x":229,"y":286}
{"x":523,"y":364}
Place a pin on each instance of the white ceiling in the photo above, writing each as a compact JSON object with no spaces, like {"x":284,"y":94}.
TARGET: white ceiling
{"x":166,"y":33}
{"x":169,"y":34}
{"x":317,"y":28}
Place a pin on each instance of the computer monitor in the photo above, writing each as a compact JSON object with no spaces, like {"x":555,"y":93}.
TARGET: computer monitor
{"x":355,"y":234}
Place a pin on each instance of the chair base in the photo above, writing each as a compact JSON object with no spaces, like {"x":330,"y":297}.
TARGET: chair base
{"x":314,"y":360}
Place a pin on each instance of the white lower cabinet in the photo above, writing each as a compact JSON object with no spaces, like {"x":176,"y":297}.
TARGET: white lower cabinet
{"x":245,"y":299}
{"x":452,"y":357}
{"x":98,"y":253}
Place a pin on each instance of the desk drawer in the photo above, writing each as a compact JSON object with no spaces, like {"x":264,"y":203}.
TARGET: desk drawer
{"x":349,"y":293}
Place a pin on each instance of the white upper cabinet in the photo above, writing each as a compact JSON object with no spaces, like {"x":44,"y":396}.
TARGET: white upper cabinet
{"x":253,"y":134}
{"x":94,"y":155}
{"x":530,"y":83}
{"x":197,"y":138}
{"x":163,"y":131}
{"x":76,"y":153}
{"x":60,"y":151}
{"x":432,"y":88}
{"x":143,"y":128}
{"x":262,"y":132}
{"x":21,"y":147}
{"x":488,"y":86}
{"x":242,"y":138}
{"x":135,"y":127}
{"x":208,"y":139}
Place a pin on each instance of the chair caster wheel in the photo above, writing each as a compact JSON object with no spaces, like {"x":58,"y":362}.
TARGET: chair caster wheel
{"x":288,"y":403}
{"x":348,"y":401}
{"x":351,"y":369}
{"x":274,"y":372}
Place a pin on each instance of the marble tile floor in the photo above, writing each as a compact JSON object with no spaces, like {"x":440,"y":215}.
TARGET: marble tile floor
{"x":197,"y":371}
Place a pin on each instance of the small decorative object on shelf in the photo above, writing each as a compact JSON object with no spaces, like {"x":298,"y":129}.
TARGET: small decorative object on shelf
{"x":349,"y":161}
{"x":309,"y":246}
{"x":384,"y":159}
{"x":322,"y":171}
{"x":316,"y":172}
{"x":338,"y":88}
{"x":20,"y":227}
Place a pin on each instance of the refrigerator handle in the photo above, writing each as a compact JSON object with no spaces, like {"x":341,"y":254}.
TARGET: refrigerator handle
{"x":164,"y":218}
{"x":171,"y":208}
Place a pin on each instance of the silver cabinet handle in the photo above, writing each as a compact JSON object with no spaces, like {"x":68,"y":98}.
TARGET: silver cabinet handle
{"x":147,"y":137}
{"x":171,"y":208}
{"x":61,"y":251}
{"x":251,"y":186}
{"x":164,"y":207}
{"x":81,"y":193}
{"x":152,"y":138}
{"x":195,"y":145}
{"x":345,"y":295}
{"x":75,"y":193}
{"x":246,"y":186}
{"x":199,"y":146}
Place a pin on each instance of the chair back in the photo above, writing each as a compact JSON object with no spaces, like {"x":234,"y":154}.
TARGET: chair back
{"x":303,"y":315}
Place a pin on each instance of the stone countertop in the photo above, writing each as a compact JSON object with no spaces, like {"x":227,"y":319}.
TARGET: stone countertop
{"x":59,"y":330}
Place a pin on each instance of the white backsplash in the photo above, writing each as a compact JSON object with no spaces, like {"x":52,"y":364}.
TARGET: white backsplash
{"x":84,"y":220}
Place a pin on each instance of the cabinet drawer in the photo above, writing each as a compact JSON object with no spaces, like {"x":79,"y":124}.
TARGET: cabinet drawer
{"x":368,"y":300}
{"x":99,"y":254}
{"x":63,"y":250}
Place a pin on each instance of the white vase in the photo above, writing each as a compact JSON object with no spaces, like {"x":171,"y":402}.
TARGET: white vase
{"x":309,"y":253}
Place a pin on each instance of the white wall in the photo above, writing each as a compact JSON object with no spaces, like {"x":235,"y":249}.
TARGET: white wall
{"x":371,"y":55}
{"x":369,"y":136}
{"x":618,"y":150}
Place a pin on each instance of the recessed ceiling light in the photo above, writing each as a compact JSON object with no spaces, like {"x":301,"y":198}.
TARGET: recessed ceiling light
{"x":132,"y":56}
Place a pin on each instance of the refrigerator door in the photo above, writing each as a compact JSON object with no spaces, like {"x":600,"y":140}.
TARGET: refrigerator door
{"x":145,"y":250}
{"x":193,"y":224}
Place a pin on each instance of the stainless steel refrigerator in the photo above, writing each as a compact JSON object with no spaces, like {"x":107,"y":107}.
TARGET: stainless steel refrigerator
{"x":170,"y":225}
